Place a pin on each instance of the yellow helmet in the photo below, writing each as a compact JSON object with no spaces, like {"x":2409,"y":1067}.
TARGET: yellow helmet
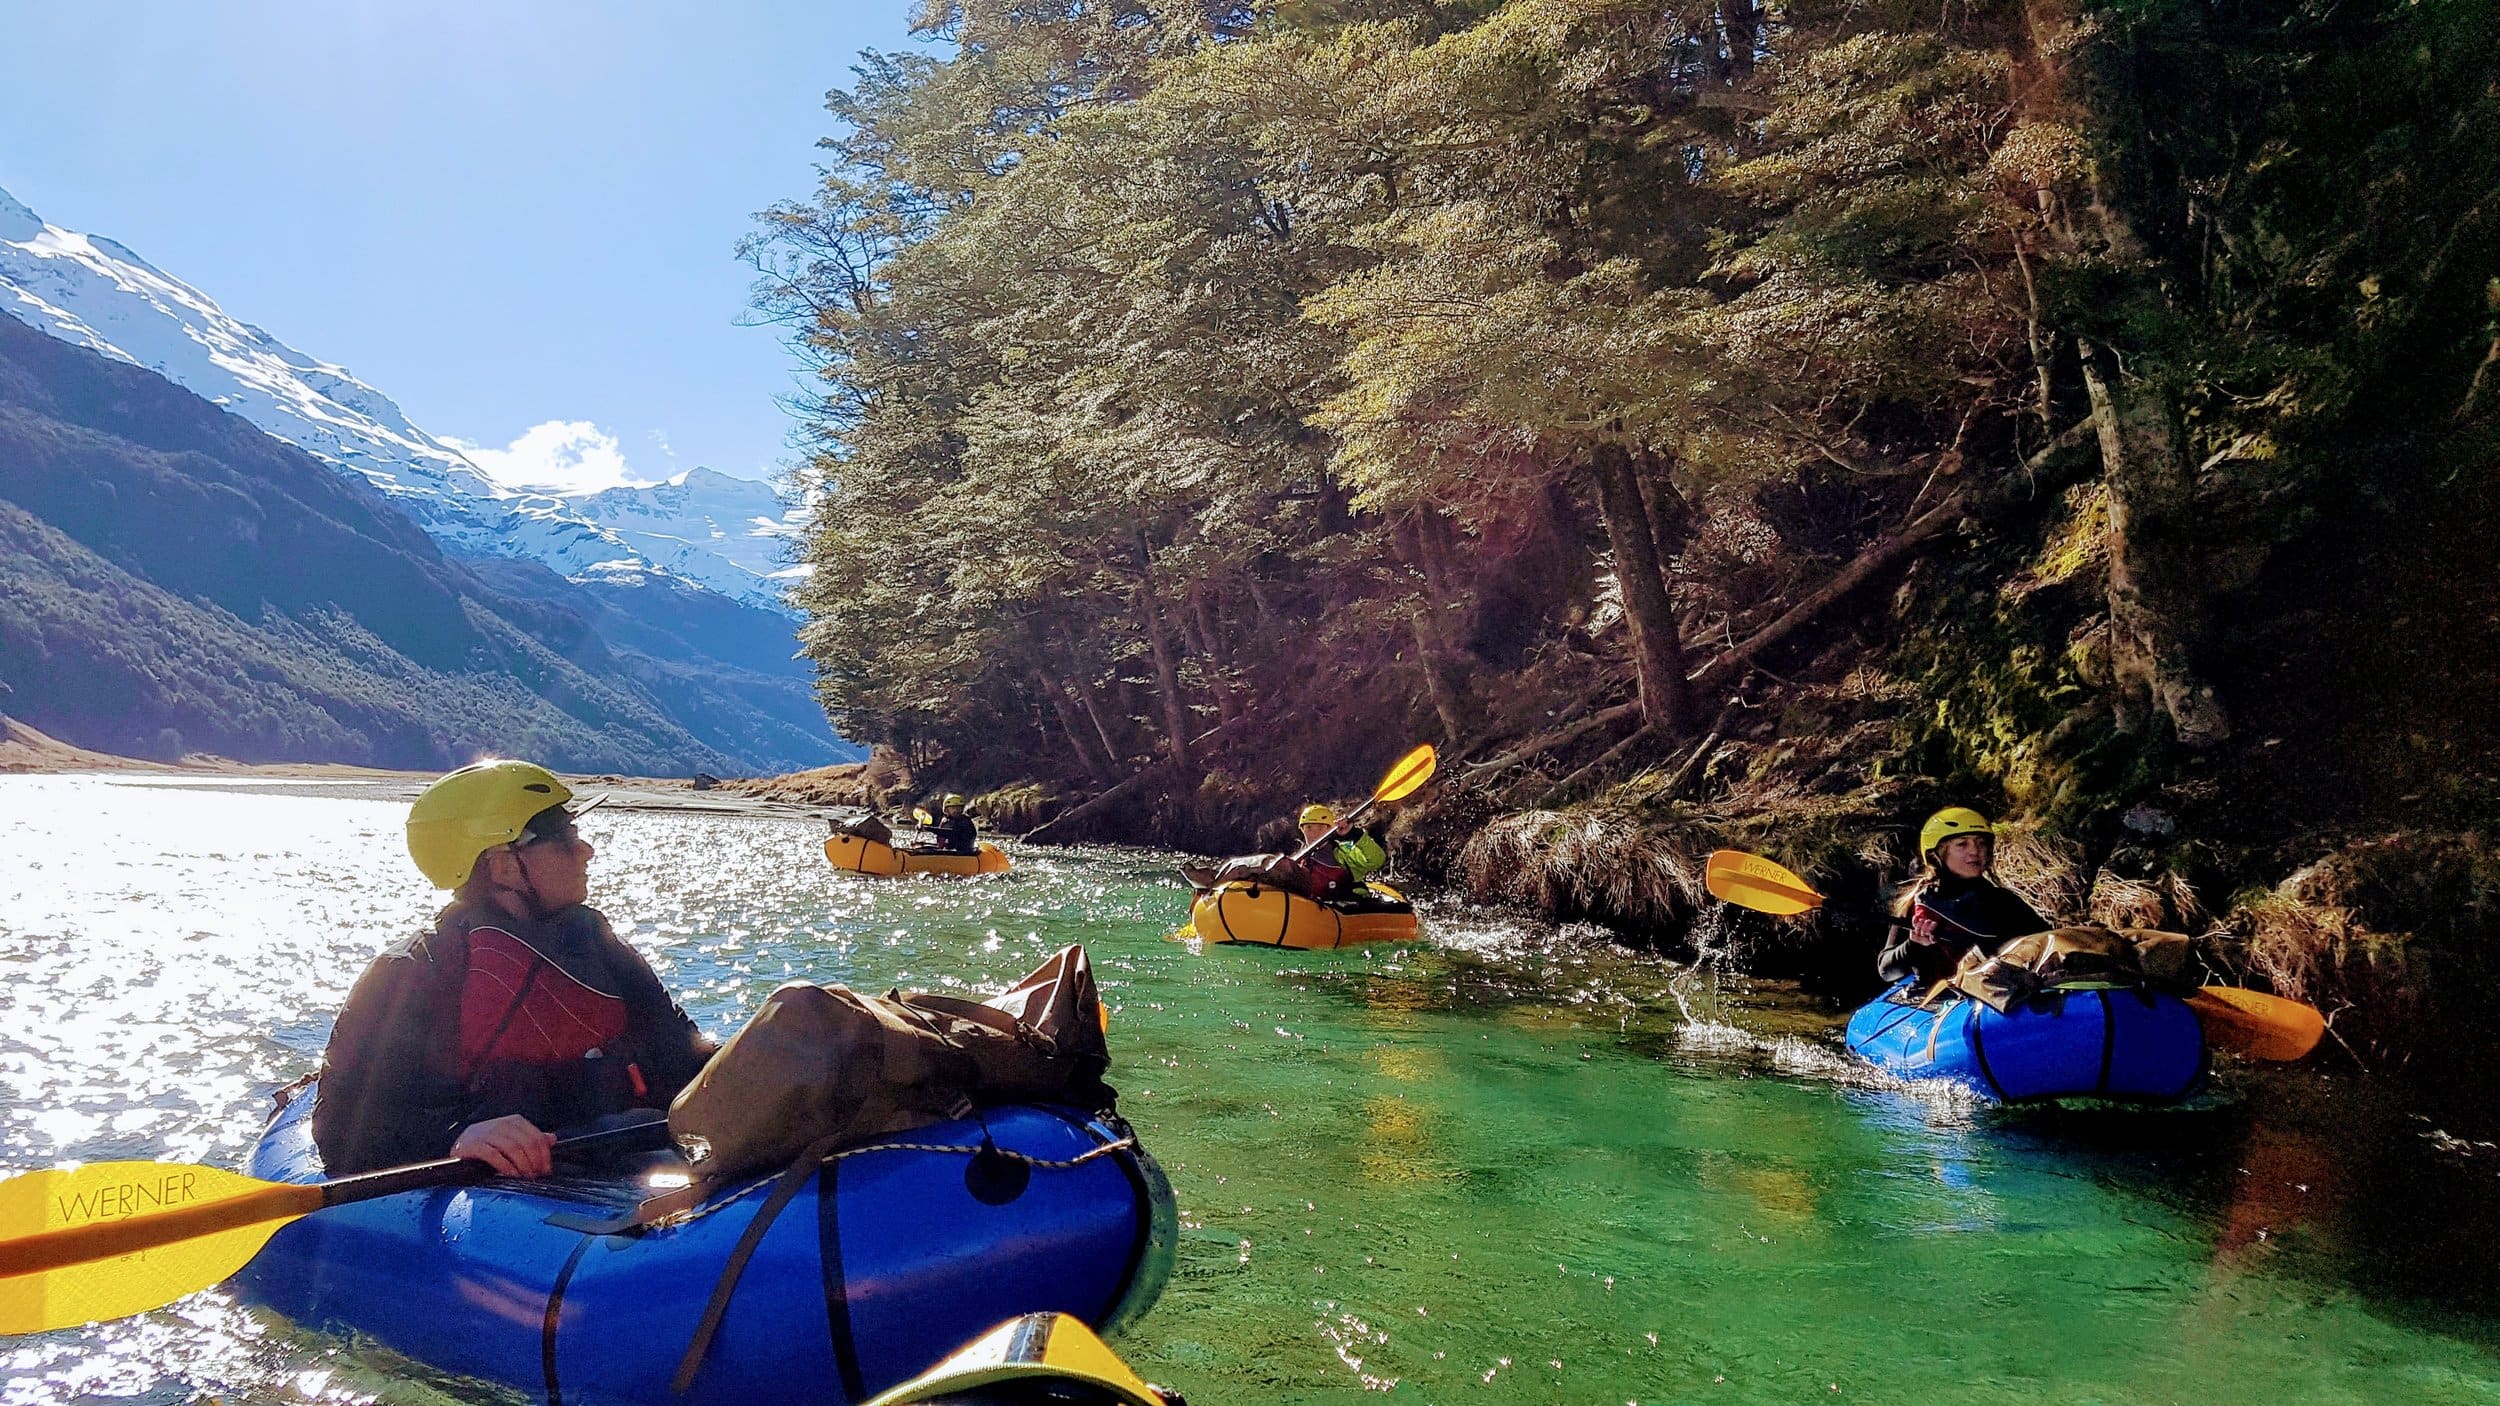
{"x":472,"y":810}
{"x":1949,"y":822}
{"x":1316,"y":814}
{"x":953,"y":803}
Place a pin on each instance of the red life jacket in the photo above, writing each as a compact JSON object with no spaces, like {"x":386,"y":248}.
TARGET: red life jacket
{"x":518,"y":1007}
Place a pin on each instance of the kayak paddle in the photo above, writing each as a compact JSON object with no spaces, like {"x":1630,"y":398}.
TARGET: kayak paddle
{"x":2256,"y":1024}
{"x":2233,"y":1018}
{"x":1054,"y":1355}
{"x":1751,"y":881}
{"x":1411,"y":771}
{"x":110,"y":1239}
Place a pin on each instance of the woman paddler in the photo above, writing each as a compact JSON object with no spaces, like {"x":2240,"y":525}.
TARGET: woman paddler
{"x":1955,"y":906}
{"x":519,"y":1012}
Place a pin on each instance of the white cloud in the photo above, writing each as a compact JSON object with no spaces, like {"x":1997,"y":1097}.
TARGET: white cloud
{"x":559,"y":456}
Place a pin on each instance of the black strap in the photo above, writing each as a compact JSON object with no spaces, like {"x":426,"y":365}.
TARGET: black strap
{"x":555,"y":1319}
{"x":792,"y":1179}
{"x":837,"y":1290}
{"x":1908,"y":1013}
{"x":1978,"y":1012}
{"x":2109,"y":1041}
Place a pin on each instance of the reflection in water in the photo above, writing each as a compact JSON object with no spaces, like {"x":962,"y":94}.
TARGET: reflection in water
{"x":1508,"y":1165}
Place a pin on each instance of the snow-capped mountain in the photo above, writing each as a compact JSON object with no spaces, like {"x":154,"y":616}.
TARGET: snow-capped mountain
{"x":727,"y":534}
{"x":698,"y":520}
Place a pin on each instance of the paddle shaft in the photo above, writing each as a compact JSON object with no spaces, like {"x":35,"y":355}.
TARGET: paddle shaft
{"x":453,"y":1171}
{"x":111,"y":1239}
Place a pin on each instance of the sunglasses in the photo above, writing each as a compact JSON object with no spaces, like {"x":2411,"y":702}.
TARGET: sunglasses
{"x":549,"y":832}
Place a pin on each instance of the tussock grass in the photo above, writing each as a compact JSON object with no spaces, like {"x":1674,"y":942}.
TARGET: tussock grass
{"x":843,"y":785}
{"x":1596,"y":861}
{"x":1634,"y":862}
{"x":1014,"y":808}
{"x":2045,"y":870}
{"x":2392,"y":938}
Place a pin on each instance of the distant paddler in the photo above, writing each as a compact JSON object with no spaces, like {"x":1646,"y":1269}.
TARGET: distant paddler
{"x":954,"y":847}
{"x":1321,"y":896}
{"x":952,"y":832}
{"x":1340,"y":856}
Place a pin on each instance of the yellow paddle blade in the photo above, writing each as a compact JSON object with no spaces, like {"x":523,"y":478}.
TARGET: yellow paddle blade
{"x":2256,"y":1024}
{"x":110,"y":1239}
{"x":1412,"y":770}
{"x":1751,"y":881}
{"x":922,"y":816}
{"x":1046,"y":1347}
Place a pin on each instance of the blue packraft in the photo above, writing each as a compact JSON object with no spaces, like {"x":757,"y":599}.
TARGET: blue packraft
{"x":889,"y":1257}
{"x":2070,"y":1042}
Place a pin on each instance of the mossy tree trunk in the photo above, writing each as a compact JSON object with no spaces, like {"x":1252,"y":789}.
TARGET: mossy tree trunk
{"x":2159,"y":608}
{"x":1657,"y":649}
{"x":2159,"y":591}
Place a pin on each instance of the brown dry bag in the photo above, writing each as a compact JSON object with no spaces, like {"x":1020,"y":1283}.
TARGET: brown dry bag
{"x":827,"y":1066}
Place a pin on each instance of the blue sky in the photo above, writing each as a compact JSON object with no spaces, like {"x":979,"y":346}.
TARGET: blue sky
{"x":514,"y":218}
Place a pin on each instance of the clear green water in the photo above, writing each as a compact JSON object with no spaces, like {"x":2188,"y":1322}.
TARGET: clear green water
{"x":1503,"y":1166}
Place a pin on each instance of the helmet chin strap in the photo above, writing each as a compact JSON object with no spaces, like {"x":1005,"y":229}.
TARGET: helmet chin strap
{"x":536,"y":908}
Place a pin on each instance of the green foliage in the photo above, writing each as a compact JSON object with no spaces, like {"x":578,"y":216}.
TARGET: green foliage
{"x":1195,"y":378}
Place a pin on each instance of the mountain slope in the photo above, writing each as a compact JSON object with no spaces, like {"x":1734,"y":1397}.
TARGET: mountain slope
{"x":721,"y":533}
{"x":172,"y":578}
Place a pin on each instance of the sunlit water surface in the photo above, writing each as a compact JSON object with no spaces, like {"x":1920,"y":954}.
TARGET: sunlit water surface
{"x":1508,"y":1165}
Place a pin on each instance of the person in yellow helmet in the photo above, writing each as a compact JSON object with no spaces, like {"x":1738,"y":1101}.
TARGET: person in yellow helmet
{"x":1955,"y":906}
{"x":518,"y":1012}
{"x":952,"y":832}
{"x":1334,"y":873}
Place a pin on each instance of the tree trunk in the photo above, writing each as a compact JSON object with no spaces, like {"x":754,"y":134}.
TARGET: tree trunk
{"x":1266,"y":609}
{"x":1441,"y":669}
{"x":1167,"y":657}
{"x":1741,"y":25}
{"x":1202,"y":636}
{"x":2158,"y":607}
{"x":1657,"y":652}
{"x":1085,"y":696}
{"x":1071,"y":723}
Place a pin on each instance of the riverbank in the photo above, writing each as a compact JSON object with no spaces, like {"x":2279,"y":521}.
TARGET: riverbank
{"x":2383,"y":929}
{"x":26,"y":751}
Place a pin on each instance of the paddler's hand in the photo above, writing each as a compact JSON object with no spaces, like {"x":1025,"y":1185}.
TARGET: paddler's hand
{"x":1923,"y":924}
{"x":512,"y":1145}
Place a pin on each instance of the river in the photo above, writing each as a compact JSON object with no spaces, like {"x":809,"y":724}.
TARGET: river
{"x":1506,"y":1165}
